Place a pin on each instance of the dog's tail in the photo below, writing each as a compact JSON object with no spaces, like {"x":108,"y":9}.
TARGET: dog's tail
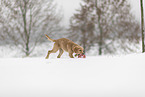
{"x":49,"y":38}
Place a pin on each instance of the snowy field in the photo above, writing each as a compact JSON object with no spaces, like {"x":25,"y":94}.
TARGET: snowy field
{"x":100,"y":76}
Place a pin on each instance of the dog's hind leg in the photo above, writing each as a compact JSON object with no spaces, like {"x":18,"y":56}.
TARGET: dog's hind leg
{"x":54,"y":50}
{"x":60,"y":53}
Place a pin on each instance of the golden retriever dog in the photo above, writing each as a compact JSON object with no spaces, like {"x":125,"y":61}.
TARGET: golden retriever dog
{"x":62,"y":45}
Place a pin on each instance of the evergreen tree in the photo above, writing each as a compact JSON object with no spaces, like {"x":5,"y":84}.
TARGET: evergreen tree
{"x":113,"y":25}
{"x":83,"y":27}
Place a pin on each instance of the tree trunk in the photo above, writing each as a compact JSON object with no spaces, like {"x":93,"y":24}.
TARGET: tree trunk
{"x":27,"y":34}
{"x":142,"y":25}
{"x":98,"y":12}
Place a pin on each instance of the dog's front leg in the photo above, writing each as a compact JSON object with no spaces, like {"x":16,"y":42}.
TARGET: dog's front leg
{"x":71,"y":55}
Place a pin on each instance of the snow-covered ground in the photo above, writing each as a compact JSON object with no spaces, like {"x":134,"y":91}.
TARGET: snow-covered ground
{"x":100,"y":76}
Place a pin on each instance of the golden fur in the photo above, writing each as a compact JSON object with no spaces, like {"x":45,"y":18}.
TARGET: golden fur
{"x":62,"y":45}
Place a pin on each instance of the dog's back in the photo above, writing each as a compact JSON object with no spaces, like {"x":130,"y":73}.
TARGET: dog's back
{"x":64,"y":43}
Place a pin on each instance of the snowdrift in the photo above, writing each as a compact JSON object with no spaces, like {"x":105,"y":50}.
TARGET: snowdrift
{"x":121,"y":76}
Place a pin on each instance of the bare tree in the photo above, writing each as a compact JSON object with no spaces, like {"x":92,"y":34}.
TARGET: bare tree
{"x":24,"y":22}
{"x":124,"y":27}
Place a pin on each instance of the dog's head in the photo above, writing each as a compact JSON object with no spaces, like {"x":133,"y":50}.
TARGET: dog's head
{"x":78,"y":50}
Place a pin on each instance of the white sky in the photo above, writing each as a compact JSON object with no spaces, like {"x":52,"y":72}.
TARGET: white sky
{"x":69,"y":7}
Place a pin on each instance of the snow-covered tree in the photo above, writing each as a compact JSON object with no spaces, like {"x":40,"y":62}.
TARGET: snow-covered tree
{"x":82,"y":26}
{"x":24,"y":22}
{"x":112,"y":25}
